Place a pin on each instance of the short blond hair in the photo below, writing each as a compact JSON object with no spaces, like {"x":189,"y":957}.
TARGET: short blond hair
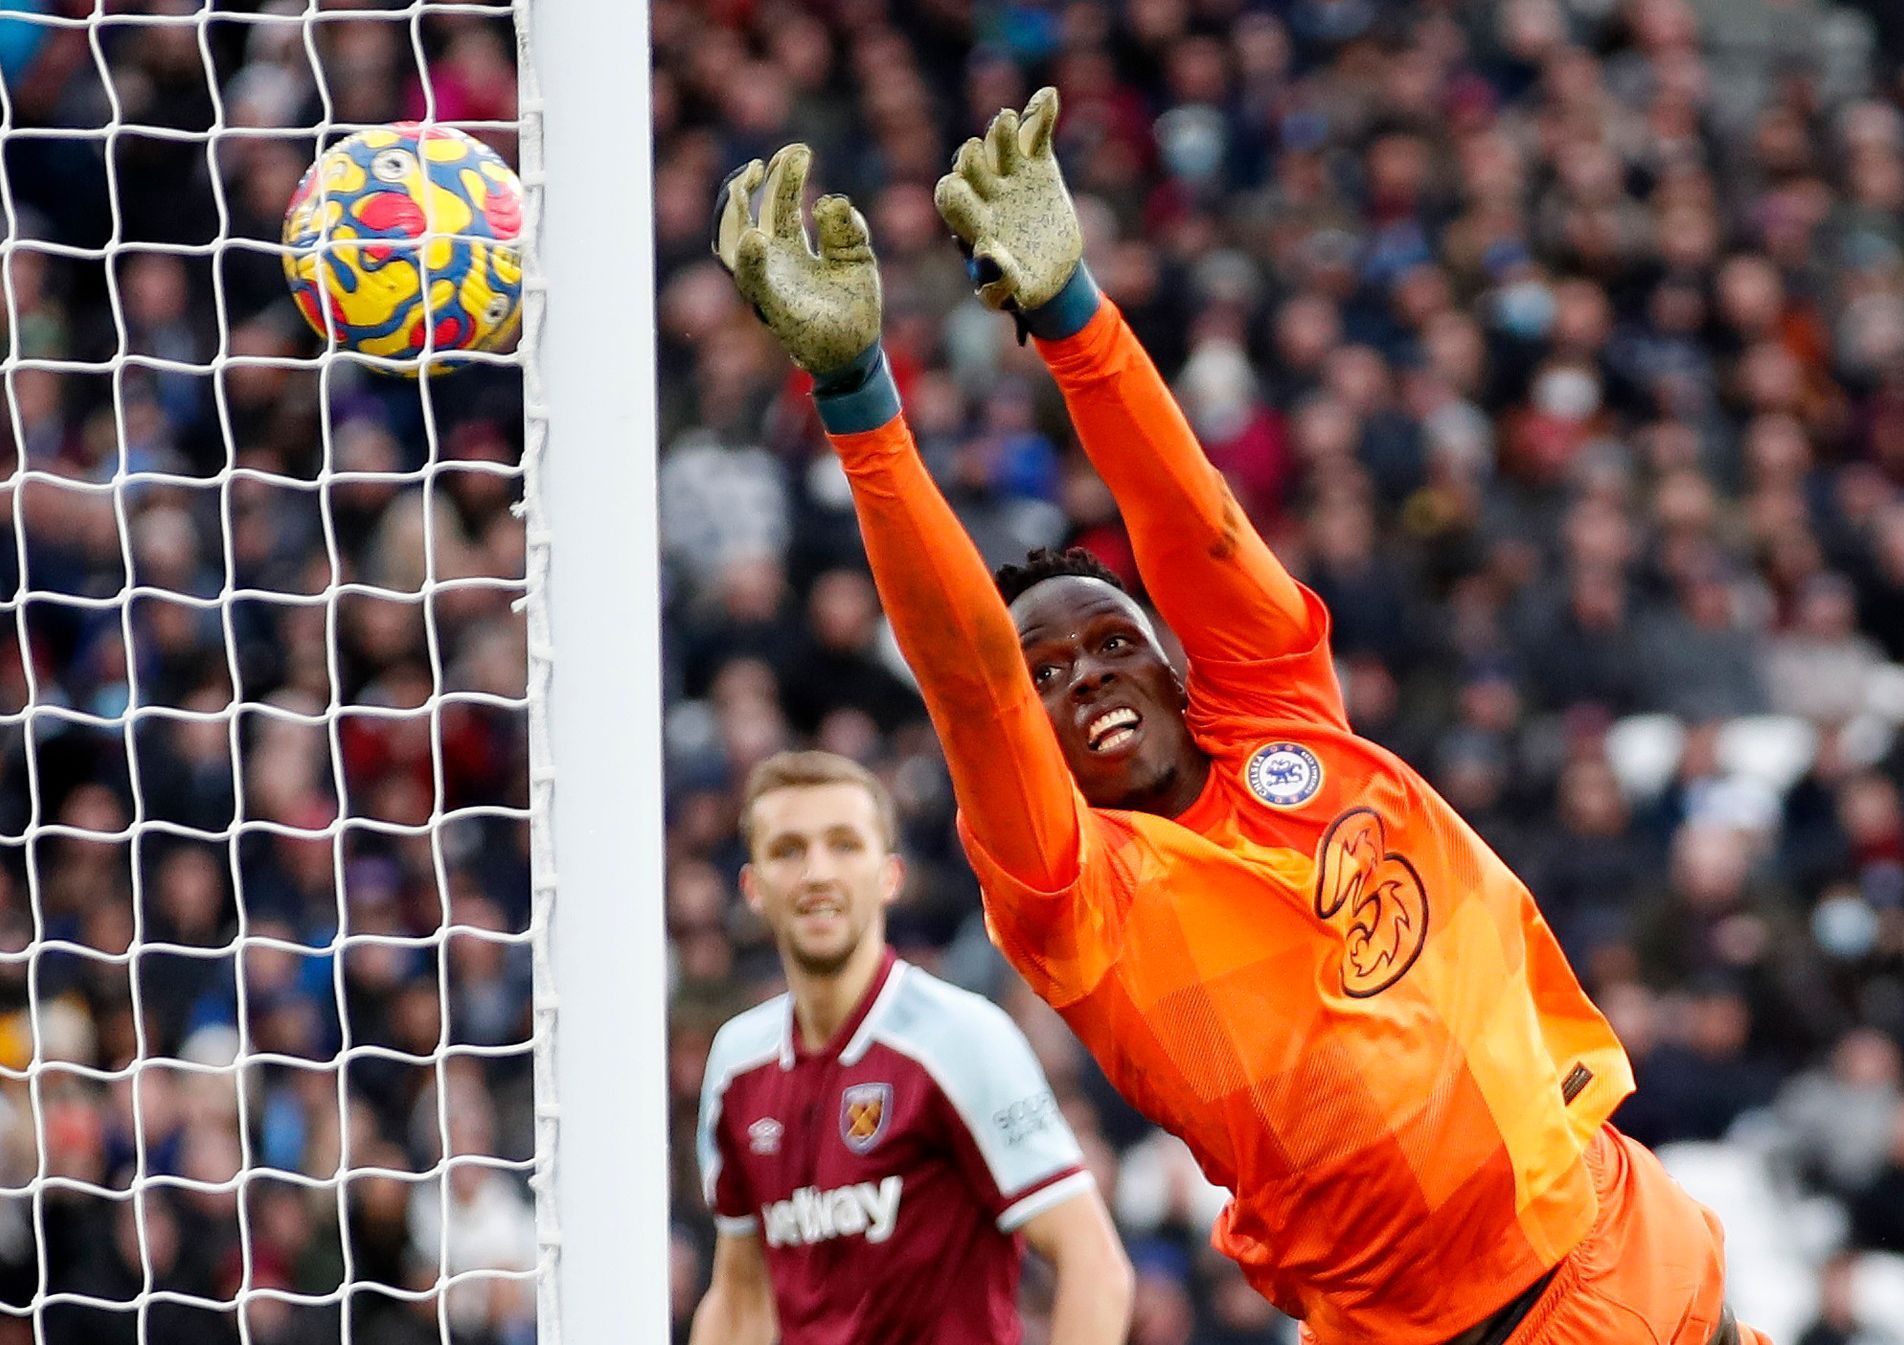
{"x":802,"y":770}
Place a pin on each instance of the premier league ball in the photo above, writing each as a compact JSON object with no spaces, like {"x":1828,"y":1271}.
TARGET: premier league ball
{"x":408,"y":236}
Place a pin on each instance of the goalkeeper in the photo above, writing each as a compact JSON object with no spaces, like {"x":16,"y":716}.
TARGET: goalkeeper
{"x":1281,"y":944}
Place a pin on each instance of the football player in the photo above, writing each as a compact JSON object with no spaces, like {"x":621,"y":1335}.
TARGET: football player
{"x":879,"y":1147}
{"x":1277,"y":939}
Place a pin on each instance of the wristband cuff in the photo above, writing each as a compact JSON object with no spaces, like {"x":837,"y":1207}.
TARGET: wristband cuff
{"x":859,"y":397}
{"x":1068,"y":310}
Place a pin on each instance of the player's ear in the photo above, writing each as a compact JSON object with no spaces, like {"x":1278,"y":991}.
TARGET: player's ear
{"x":892,"y":878}
{"x":749,"y":888}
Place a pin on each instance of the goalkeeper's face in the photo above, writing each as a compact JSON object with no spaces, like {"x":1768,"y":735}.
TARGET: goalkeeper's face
{"x":821,"y":874}
{"x":1114,"y":700}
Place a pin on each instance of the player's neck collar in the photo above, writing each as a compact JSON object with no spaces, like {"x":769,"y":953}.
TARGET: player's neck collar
{"x":1205,"y":808}
{"x":854,"y":1036}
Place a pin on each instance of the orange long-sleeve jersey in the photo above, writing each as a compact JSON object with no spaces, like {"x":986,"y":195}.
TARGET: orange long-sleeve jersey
{"x":1318,"y":976}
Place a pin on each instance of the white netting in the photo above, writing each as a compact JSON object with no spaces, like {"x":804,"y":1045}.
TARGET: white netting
{"x":265,"y":922}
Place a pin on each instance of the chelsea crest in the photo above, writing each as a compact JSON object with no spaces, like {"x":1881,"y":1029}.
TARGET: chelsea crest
{"x":1283,"y":775}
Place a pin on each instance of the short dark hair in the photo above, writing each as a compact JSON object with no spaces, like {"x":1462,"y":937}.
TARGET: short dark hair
{"x":1044,"y":563}
{"x":804,"y":770}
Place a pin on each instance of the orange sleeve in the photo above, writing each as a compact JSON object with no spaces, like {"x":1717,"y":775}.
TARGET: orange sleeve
{"x":1213,"y":579}
{"x":1008,"y":773}
{"x":1062,"y":942}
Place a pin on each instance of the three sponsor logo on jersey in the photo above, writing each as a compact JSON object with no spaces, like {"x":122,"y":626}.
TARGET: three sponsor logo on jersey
{"x":1375,"y":897}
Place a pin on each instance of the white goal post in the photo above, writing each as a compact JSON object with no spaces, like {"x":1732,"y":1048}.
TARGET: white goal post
{"x":586,"y":80}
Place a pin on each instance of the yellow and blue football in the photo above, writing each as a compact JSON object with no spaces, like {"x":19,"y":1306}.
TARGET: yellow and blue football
{"x":404,"y":239}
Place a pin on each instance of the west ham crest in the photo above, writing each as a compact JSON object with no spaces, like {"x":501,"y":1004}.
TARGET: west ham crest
{"x":864,"y":1111}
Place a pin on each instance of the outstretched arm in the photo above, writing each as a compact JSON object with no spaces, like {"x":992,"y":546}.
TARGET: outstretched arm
{"x":1213,"y":579}
{"x":1013,"y":787}
{"x":1016,"y":793}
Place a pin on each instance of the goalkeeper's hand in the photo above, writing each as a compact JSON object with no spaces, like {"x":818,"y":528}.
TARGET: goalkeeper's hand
{"x":823,"y":307}
{"x":1005,"y":199}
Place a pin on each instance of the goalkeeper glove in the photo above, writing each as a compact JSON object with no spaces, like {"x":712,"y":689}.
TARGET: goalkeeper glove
{"x":1006,"y":201}
{"x":823,"y":307}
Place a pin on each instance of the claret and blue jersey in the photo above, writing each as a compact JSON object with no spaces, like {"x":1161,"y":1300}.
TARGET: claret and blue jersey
{"x":887,"y":1174}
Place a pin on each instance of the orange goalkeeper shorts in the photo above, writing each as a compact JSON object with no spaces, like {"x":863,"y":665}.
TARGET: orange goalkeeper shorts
{"x":1651,"y":1269}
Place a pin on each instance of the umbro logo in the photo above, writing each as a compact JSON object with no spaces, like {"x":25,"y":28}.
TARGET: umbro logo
{"x":763,"y":1136}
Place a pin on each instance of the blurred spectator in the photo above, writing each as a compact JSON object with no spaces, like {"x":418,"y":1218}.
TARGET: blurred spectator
{"x":839,"y":667}
{"x":1822,"y":669}
{"x":1583,"y":648}
{"x":1838,"y":1321}
{"x":1703,"y":1074}
{"x":1698,"y":661}
{"x":1877,"y":1207}
{"x":1590,"y":862}
{"x":1839,"y":1119}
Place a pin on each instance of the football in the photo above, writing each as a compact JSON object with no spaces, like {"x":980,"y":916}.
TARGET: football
{"x":406,"y":236}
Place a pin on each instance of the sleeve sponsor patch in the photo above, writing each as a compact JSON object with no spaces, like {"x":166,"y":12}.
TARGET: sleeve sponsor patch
{"x":1027,"y":1117}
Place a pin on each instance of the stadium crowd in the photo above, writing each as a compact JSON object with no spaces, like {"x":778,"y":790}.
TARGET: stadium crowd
{"x":1558,"y":344}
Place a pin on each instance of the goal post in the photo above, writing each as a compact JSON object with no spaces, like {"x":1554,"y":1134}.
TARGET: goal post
{"x":595,"y":666}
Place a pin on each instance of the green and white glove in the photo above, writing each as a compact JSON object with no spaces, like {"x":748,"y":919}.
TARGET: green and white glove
{"x":1005,"y":199}
{"x":823,"y":307}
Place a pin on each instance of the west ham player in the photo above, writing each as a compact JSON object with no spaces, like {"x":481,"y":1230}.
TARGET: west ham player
{"x":1278,"y":940}
{"x":879,"y":1146}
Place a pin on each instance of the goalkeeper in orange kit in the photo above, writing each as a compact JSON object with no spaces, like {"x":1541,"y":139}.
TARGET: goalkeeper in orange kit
{"x":1281,"y":944}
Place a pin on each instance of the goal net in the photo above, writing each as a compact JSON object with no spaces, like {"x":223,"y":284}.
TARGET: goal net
{"x":278,"y":1059}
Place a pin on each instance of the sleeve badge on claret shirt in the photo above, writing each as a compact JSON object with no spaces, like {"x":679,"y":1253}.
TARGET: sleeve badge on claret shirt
{"x":864,"y":1111}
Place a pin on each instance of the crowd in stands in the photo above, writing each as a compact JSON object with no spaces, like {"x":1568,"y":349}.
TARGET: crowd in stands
{"x":1558,"y":344}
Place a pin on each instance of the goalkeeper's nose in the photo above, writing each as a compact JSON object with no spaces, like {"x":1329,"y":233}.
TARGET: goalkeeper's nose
{"x":1089,"y":676}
